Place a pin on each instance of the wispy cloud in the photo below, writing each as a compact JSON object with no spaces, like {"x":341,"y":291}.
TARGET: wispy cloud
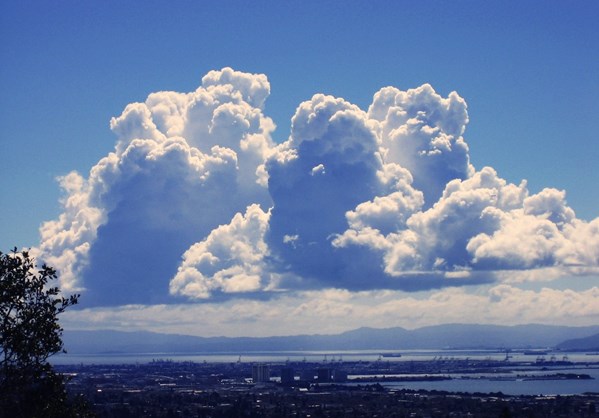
{"x":334,"y":310}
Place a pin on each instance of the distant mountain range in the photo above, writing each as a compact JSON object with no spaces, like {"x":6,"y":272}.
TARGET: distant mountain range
{"x":455,"y":336}
{"x":590,"y":343}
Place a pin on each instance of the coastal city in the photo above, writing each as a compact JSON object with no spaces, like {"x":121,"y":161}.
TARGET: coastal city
{"x":332,"y":388}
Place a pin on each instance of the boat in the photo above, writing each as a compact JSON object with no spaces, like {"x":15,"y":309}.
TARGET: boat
{"x":391,"y":355}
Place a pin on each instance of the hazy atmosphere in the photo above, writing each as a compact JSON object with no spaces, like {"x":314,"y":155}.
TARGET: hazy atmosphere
{"x":278,"y":168}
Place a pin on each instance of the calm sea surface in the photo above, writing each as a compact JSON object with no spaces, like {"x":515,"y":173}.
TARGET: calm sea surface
{"x":508,"y":383}
{"x":511,"y":387}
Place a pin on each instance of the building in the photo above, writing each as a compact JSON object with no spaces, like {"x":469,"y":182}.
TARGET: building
{"x":324,"y":374}
{"x":307,"y":375}
{"x":339,"y":375}
{"x":260,"y":373}
{"x":287,"y":375}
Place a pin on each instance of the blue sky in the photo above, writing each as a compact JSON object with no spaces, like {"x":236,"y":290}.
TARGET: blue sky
{"x":529,"y":72}
{"x":530,"y":75}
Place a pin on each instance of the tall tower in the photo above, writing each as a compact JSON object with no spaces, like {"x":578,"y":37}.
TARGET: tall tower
{"x":260,"y":373}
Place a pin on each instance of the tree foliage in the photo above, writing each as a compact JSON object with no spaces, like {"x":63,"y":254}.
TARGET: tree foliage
{"x":30,"y":334}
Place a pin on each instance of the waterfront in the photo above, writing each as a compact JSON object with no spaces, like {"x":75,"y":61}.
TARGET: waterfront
{"x":166,"y":388}
{"x":508,"y":387}
{"x":486,"y":371}
{"x":323,"y":356}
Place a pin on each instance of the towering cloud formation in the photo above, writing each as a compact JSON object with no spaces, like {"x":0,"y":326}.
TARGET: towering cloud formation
{"x":183,"y":165}
{"x":423,"y":132}
{"x":197,"y":202}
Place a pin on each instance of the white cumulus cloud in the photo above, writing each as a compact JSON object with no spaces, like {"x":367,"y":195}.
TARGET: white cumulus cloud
{"x":196,"y":202}
{"x":230,"y":259}
{"x":184,"y":163}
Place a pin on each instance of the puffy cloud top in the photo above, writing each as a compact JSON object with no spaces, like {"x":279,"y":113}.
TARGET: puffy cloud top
{"x":197,"y":202}
{"x":422,"y":131}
